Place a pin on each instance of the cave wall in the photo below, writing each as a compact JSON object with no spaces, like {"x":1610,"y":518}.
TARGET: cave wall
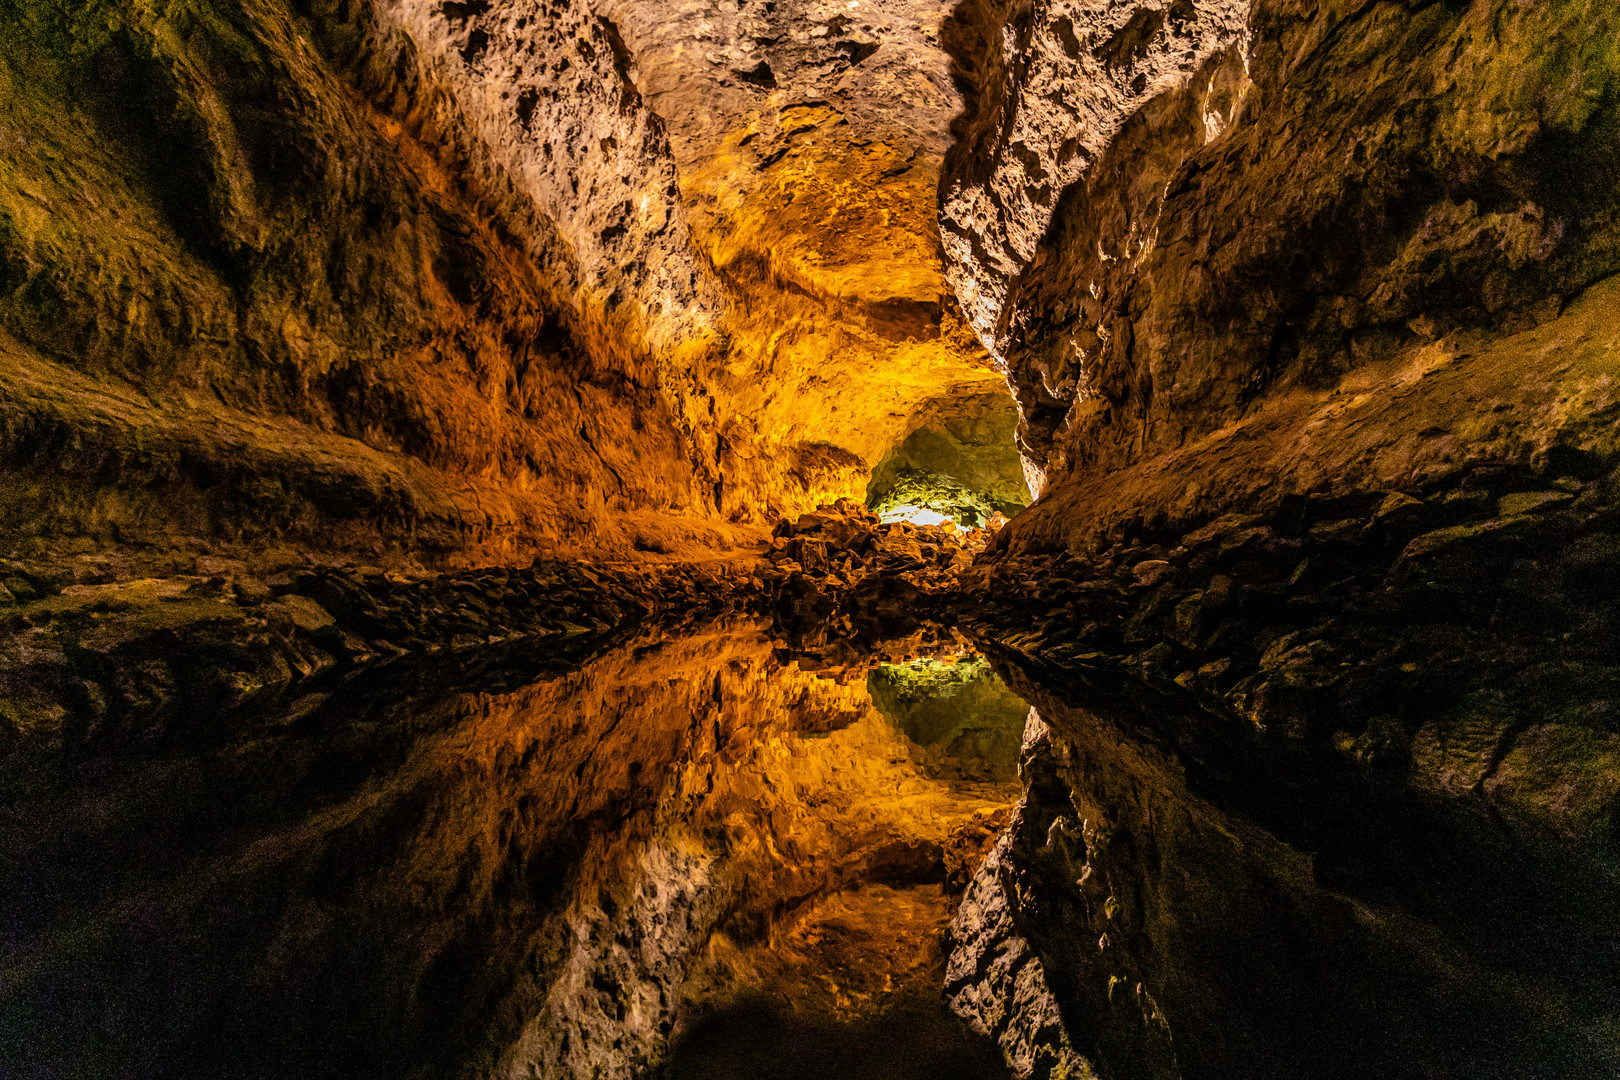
{"x":265,"y":278}
{"x":458,"y":282}
{"x":1173,"y":223}
{"x":808,"y":137}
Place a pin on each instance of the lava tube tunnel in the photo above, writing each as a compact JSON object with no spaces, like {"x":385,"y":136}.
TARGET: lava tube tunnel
{"x":809,"y":539}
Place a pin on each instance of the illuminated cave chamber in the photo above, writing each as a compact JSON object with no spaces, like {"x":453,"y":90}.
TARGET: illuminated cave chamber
{"x":460,"y":361}
{"x":959,"y":711}
{"x":959,"y":463}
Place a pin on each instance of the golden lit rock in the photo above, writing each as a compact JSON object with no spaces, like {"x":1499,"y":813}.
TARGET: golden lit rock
{"x":515,"y":517}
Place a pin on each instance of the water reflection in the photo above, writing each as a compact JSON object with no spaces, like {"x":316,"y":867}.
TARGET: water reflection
{"x":701,"y":854}
{"x":538,"y":873}
{"x":1179,"y":897}
{"x":959,"y":711}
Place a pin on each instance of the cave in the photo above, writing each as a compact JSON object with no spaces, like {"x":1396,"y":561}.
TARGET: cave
{"x":788,"y":539}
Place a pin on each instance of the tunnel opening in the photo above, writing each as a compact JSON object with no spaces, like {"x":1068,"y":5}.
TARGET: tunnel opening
{"x":505,"y":539}
{"x":959,"y":463}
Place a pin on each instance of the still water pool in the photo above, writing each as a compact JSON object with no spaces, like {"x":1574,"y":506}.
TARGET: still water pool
{"x":698,"y":854}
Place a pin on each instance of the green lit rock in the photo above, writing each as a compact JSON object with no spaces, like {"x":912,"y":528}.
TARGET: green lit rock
{"x":961,"y":463}
{"x":962,"y":710}
{"x":915,"y":491}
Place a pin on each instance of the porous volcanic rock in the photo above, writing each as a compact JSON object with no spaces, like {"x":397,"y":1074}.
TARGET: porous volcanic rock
{"x":1294,"y":195}
{"x":460,"y":282}
{"x":1049,"y":86}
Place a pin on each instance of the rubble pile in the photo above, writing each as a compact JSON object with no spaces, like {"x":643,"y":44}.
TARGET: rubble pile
{"x":839,"y":582}
{"x":843,"y":543}
{"x":1369,"y":625}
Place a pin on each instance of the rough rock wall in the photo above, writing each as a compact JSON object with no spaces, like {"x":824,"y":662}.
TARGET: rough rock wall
{"x":1050,"y":84}
{"x":1320,"y":349}
{"x":421,"y":278}
{"x":545,"y":93}
{"x":783,"y":114}
{"x":265,"y":276}
{"x":1317,"y":189}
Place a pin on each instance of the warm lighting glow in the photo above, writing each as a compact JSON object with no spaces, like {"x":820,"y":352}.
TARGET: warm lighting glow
{"x":917,"y":515}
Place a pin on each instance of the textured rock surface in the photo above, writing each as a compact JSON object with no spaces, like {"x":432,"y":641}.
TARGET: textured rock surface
{"x":94,"y":659}
{"x":1344,"y":183}
{"x":1305,"y":355}
{"x":809,"y":136}
{"x":1307,"y":311}
{"x":783,"y":115}
{"x":1423,"y":644}
{"x":96,"y":654}
{"x":1050,"y":85}
{"x":840,"y":582}
{"x":1536,"y":403}
{"x":269,"y":277}
{"x":545,"y":96}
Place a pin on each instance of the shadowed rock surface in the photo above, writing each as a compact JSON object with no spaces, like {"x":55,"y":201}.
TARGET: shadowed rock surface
{"x":491,"y":549}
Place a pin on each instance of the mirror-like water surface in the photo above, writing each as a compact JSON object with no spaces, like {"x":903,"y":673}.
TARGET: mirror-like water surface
{"x":692,"y":855}
{"x":687,"y":850}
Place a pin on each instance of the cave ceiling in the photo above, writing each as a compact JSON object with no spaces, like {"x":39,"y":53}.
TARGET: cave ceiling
{"x":808,"y":137}
{"x":760,"y":180}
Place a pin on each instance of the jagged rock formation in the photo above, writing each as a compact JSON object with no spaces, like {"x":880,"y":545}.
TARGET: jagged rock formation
{"x":840,"y":581}
{"x":1050,"y":86}
{"x":1334,"y":188}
